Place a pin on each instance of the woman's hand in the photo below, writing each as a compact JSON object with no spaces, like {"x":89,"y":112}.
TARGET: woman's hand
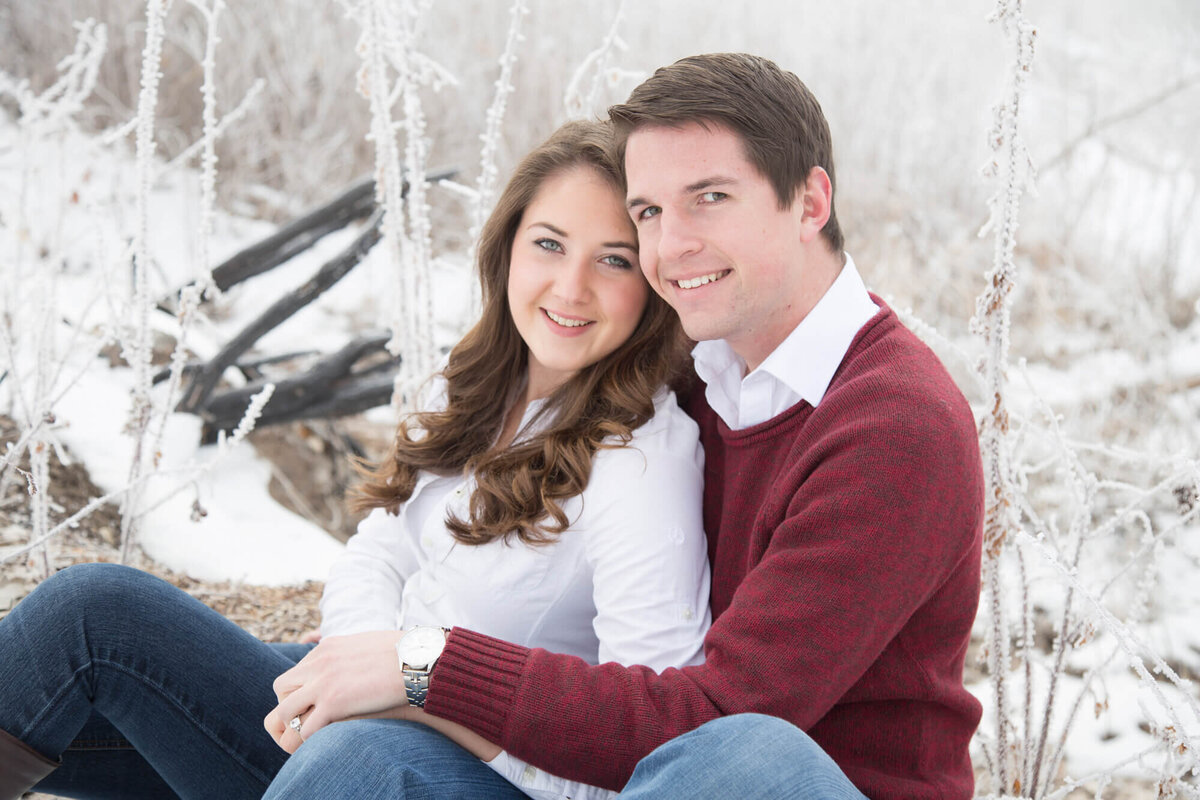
{"x":343,"y":677}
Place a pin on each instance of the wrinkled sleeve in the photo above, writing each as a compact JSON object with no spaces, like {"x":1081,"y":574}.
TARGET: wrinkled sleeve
{"x":366,"y":582}
{"x":363,"y":590}
{"x":647,"y":549}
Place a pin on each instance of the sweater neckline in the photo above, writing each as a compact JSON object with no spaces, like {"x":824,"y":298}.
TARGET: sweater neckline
{"x":876,"y":326}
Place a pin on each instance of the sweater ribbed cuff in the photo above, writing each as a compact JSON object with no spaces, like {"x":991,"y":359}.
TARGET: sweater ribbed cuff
{"x":475,"y":680}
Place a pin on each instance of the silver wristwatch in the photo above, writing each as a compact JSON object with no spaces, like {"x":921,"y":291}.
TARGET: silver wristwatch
{"x":417,"y":650}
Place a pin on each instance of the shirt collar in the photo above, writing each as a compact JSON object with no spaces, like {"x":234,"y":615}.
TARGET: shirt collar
{"x":806,"y":360}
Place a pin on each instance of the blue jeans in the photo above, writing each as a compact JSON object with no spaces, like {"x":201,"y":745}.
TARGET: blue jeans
{"x":145,"y":692}
{"x":142,"y":690}
{"x":745,"y":755}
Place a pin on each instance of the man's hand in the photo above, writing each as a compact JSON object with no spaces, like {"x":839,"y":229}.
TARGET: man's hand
{"x":343,"y":677}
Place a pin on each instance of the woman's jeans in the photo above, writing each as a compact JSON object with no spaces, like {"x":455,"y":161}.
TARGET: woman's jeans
{"x":144,"y":692}
{"x":744,"y":755}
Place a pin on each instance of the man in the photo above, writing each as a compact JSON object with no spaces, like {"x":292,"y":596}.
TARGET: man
{"x":843,"y":498}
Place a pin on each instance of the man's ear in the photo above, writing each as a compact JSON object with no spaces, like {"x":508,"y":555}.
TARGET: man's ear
{"x":815,"y":200}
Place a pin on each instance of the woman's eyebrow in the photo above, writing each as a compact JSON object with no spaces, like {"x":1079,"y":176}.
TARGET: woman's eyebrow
{"x":560,"y":232}
{"x":552,"y":228}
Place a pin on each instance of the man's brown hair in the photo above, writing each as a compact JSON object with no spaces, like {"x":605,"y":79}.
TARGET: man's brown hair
{"x":777,"y":118}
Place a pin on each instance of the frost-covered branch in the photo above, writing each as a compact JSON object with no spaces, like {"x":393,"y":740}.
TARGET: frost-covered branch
{"x":579,"y":104}
{"x":137,"y":347}
{"x":208,"y":141}
{"x":191,"y":295}
{"x":390,"y":34}
{"x":1009,"y":167}
{"x":59,"y":103}
{"x":485,"y":186}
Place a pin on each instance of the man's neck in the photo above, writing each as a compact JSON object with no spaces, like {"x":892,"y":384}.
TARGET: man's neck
{"x":820,"y":273}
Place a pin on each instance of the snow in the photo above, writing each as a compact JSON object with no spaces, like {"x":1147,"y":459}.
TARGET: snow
{"x":245,"y":535}
{"x":73,"y":217}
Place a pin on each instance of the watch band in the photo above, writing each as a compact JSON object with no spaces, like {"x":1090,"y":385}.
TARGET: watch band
{"x":416,"y":686}
{"x":416,"y":678}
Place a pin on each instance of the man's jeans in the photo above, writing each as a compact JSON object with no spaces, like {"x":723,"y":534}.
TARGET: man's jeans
{"x":744,"y":756}
{"x":147,"y":693}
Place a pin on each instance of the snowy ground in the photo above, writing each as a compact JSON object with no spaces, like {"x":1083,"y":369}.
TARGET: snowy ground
{"x":246,"y":536}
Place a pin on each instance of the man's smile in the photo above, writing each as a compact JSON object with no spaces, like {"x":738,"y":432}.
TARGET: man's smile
{"x":701,"y":280}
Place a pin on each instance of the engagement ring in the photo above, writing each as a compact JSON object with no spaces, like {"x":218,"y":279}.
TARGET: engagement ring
{"x":294,"y":724}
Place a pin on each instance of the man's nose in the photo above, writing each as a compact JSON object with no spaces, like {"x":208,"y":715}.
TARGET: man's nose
{"x":677,"y":237}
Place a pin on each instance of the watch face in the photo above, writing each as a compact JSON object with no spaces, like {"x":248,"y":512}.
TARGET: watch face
{"x":421,"y":646}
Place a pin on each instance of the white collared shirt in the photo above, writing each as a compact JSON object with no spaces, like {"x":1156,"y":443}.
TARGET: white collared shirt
{"x":800,"y":368}
{"x":628,"y":581}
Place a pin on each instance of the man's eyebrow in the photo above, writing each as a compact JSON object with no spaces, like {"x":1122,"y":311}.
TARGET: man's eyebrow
{"x":708,"y":183}
{"x":691,"y":188}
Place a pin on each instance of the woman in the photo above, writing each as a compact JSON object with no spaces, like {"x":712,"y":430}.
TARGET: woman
{"x":551,"y":494}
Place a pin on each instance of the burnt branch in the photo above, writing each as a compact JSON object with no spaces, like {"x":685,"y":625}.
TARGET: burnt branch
{"x":333,"y":387}
{"x":205,"y":379}
{"x":355,"y":203}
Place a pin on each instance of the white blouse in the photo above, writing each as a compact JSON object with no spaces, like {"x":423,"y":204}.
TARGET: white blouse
{"x":628,"y":581}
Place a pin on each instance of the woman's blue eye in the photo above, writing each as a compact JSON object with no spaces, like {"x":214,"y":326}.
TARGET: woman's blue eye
{"x":617,"y":261}
{"x":648,"y":212}
{"x":549,"y":244}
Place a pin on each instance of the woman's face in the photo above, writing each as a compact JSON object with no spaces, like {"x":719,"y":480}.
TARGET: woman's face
{"x":575,"y":289}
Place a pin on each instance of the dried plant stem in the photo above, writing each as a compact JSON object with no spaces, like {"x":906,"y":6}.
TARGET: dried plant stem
{"x":578,"y":104}
{"x":991,"y":321}
{"x":137,"y":350}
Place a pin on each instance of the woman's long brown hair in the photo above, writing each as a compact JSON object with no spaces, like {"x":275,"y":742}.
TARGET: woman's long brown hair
{"x":519,"y":489}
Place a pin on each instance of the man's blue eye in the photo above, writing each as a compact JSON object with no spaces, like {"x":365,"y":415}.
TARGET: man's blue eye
{"x":648,"y":212}
{"x":713,"y":197}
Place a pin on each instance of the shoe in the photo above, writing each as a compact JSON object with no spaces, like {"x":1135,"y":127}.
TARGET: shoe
{"x":20,"y":767}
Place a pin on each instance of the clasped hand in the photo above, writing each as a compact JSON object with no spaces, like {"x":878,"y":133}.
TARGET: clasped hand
{"x":343,"y":677}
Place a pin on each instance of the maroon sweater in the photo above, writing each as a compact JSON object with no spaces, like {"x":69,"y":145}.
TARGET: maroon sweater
{"x":845,"y":550}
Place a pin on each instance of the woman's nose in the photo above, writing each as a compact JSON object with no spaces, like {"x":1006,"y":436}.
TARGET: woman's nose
{"x":573,"y":283}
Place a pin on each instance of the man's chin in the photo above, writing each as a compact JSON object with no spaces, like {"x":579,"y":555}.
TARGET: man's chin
{"x":702,"y":330}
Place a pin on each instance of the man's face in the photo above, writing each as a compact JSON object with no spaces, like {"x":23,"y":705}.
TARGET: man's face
{"x":713,"y":240}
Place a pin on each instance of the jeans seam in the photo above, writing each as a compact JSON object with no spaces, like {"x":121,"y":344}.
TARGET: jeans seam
{"x":169,"y":698}
{"x":54,"y":700}
{"x":100,"y":744}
